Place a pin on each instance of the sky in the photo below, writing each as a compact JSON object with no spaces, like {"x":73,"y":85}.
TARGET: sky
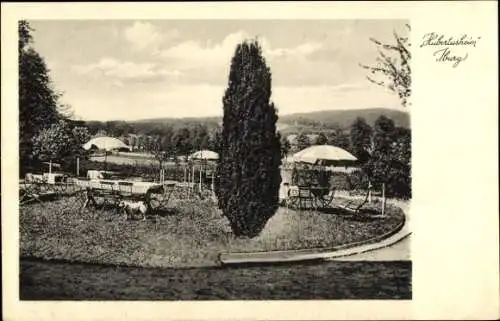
{"x":137,"y":69}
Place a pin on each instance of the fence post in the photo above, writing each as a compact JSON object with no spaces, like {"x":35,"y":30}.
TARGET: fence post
{"x":212,"y":181}
{"x":77,"y":166}
{"x":369,"y":192}
{"x":383,"y":198}
{"x":193,"y":181}
{"x":201,"y":169}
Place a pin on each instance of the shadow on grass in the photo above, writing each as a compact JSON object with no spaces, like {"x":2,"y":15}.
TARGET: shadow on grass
{"x":339,"y":280}
{"x":166,"y":212}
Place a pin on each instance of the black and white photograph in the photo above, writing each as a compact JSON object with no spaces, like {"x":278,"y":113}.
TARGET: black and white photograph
{"x":250,"y":161}
{"x":214,"y":160}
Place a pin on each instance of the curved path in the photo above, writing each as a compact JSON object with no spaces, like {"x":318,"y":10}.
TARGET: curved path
{"x":376,"y":250}
{"x":395,"y":248}
{"x":399,"y":251}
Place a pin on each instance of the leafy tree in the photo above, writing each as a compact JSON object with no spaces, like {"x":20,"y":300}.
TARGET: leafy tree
{"x":80,"y":135}
{"x":51,"y":143}
{"x":339,"y":138}
{"x":132,"y":141}
{"x":181,"y":141}
{"x":380,"y":162}
{"x":216,"y":140}
{"x":285,"y":146}
{"x":361,"y":139}
{"x":155,"y":148}
{"x":400,"y":180}
{"x":38,"y":101}
{"x":201,"y":139}
{"x":390,"y":162}
{"x":393,"y":64}
{"x":321,"y":139}
{"x":60,"y":142}
{"x":248,"y":168}
{"x":302,"y":141}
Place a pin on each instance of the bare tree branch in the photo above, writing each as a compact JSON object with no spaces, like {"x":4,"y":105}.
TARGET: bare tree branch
{"x":393,"y":63}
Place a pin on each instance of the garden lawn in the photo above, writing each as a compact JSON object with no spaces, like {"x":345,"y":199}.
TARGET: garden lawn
{"x":188,"y":234}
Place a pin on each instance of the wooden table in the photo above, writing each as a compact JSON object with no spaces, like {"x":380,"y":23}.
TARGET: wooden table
{"x":116,"y":190}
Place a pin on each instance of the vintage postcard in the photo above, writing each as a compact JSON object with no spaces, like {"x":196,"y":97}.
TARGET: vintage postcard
{"x":264,"y":161}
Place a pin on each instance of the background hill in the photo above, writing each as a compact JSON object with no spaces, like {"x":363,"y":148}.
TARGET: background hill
{"x":203,"y":131}
{"x":289,"y":123}
{"x":337,"y":119}
{"x":344,"y":118}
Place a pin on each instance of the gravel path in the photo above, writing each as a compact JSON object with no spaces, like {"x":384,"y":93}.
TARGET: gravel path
{"x":399,"y":251}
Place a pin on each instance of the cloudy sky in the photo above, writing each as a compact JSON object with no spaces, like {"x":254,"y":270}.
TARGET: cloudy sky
{"x":129,"y":69}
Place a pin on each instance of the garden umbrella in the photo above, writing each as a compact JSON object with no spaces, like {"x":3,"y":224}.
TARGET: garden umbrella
{"x":204,"y":155}
{"x":105,"y":143}
{"x":324,"y":155}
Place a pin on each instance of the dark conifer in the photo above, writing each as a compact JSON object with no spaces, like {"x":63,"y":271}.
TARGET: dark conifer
{"x":248,"y":168}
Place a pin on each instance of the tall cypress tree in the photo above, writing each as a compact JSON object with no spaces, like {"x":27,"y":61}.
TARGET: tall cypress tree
{"x":248,"y":168}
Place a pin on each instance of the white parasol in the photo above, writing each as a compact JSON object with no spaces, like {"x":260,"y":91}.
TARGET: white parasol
{"x":204,"y":155}
{"x":324,"y":155}
{"x":105,"y":143}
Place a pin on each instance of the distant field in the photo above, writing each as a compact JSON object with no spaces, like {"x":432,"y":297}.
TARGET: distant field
{"x":130,"y":159}
{"x":127,"y":160}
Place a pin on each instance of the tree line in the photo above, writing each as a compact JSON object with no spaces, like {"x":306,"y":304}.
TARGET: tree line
{"x":46,"y":131}
{"x":174,"y":139}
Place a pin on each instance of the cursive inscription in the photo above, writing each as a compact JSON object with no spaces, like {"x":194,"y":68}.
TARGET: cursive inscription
{"x":453,"y":50}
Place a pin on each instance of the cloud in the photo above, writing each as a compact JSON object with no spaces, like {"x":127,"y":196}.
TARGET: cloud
{"x":299,"y":52}
{"x":194,"y":54}
{"x":126,"y":71}
{"x":145,"y":36}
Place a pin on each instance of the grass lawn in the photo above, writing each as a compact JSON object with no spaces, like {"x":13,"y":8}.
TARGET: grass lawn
{"x":319,"y":281}
{"x":189,"y":233}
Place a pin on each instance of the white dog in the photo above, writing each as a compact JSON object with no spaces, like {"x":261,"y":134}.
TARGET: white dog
{"x":133,"y":207}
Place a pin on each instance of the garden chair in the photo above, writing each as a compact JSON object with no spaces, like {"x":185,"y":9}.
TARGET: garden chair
{"x":306,"y":198}
{"x":323,"y":196}
{"x":110,"y":193}
{"x":300,"y":197}
{"x":29,"y":191}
